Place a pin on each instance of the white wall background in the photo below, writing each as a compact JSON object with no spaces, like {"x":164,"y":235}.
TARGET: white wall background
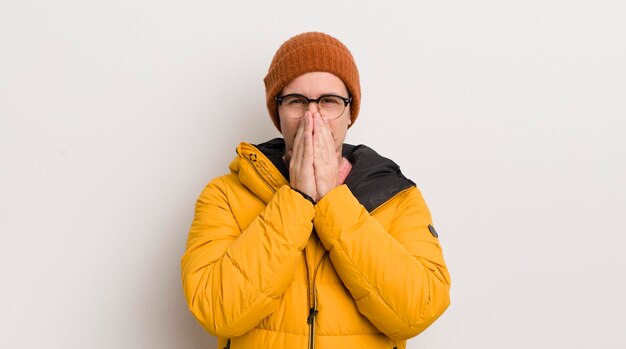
{"x":510,"y":116}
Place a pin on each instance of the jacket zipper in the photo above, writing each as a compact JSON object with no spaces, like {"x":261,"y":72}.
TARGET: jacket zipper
{"x":310,"y":320}
{"x":259,"y":173}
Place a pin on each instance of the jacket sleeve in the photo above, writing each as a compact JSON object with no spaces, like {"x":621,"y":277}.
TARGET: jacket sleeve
{"x":234,"y":278}
{"x":398,"y":278}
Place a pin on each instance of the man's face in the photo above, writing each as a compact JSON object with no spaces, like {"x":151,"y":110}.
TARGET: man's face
{"x":313,"y":85}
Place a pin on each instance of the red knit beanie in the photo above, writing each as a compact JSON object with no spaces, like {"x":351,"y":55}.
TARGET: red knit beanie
{"x":311,"y":52}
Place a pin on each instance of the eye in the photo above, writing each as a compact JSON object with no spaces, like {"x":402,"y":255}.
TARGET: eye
{"x":295,"y":100}
{"x":330,"y":100}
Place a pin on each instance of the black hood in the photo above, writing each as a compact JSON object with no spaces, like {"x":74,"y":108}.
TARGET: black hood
{"x":373,"y":180}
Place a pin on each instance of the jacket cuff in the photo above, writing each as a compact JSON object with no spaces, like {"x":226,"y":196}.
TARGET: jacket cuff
{"x":304,"y":195}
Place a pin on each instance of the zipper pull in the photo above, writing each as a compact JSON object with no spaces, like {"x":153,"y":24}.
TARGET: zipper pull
{"x":312,"y":315}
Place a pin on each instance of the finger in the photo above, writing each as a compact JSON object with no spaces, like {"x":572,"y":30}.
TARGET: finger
{"x":320,"y":142}
{"x":327,"y":139}
{"x":325,"y":162}
{"x":307,"y":156}
{"x":323,"y":122}
{"x":287,"y":157}
{"x":306,"y":174}
{"x":312,"y":116}
{"x":296,"y":158}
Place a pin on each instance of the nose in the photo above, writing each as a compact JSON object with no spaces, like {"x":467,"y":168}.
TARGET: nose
{"x":310,"y":108}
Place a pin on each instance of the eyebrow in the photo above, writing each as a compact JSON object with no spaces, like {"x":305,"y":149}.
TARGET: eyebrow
{"x":321,"y":94}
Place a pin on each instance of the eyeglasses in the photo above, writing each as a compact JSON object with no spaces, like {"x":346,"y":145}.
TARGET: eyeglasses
{"x":330,"y":106}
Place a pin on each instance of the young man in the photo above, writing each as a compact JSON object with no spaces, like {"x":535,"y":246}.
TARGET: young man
{"x":310,"y":242}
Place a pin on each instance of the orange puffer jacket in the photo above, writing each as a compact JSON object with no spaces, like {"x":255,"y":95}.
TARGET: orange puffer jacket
{"x":266,"y":268}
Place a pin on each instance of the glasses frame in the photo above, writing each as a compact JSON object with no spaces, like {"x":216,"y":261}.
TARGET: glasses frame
{"x":346,"y":100}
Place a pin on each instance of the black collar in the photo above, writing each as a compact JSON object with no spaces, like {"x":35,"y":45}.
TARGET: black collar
{"x":373,"y":180}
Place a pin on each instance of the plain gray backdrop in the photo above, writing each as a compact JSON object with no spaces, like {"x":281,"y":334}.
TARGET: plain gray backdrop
{"x":509,"y":115}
